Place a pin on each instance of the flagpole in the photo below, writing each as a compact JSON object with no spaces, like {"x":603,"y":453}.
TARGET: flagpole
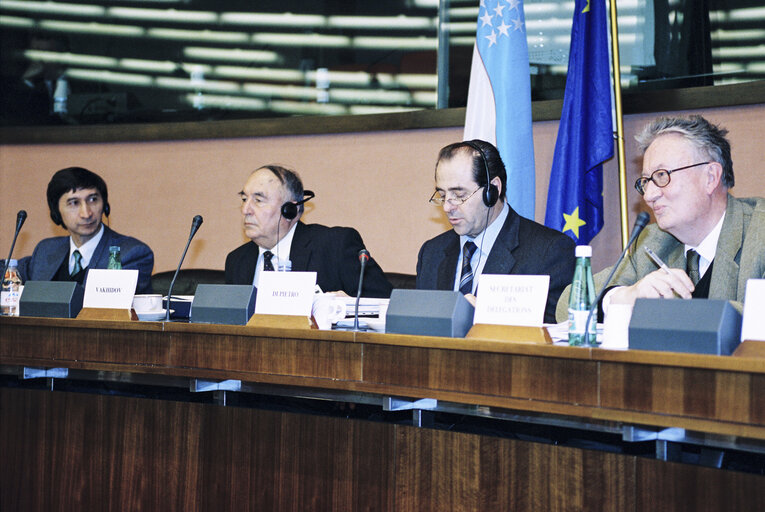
{"x":619,"y":124}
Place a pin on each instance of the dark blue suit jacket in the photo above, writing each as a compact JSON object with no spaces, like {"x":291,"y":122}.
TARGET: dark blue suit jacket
{"x":522,"y":247}
{"x":333,"y":253}
{"x":51,"y":253}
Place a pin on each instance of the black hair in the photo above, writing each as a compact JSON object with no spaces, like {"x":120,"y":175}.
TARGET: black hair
{"x":72,"y":179}
{"x":488,"y":151}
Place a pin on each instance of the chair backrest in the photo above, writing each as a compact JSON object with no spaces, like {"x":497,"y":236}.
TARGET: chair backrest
{"x":402,"y":281}
{"x":187,"y":281}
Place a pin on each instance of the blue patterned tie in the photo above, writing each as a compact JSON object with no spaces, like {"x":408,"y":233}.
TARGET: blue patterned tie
{"x":77,"y":263}
{"x":466,"y":281}
{"x":267,"y":265}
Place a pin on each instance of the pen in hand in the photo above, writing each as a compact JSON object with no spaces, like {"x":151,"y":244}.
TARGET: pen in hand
{"x":656,"y":259}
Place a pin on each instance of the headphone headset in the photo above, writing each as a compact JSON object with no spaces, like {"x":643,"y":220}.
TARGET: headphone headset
{"x":290,"y":208}
{"x":490,"y":192}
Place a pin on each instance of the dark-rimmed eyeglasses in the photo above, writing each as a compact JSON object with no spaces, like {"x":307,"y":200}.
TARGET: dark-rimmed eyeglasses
{"x":660,"y":177}
{"x":439,"y":198}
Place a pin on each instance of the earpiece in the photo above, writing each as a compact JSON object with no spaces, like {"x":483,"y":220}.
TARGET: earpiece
{"x":490,"y":192}
{"x":290,"y":208}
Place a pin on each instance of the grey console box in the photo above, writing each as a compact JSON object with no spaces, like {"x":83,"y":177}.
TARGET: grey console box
{"x":698,"y":326}
{"x":52,"y":299}
{"x":231,"y":304}
{"x":429,"y":313}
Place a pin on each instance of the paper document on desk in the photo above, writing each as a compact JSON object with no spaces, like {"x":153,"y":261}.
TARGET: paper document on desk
{"x":753,"y":327}
{"x":559,"y":332}
{"x":367,"y":306}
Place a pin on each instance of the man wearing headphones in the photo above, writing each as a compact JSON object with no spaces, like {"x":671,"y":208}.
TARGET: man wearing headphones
{"x":77,"y":199}
{"x":489,"y":237}
{"x":272,"y":204}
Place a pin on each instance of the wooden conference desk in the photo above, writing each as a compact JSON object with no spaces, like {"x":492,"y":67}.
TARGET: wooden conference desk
{"x":67,"y":450}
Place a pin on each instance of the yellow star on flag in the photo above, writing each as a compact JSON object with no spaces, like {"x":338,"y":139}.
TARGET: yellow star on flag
{"x":573,"y":222}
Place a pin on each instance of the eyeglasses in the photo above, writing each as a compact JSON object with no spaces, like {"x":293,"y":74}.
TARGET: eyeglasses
{"x":439,"y":198}
{"x":660,"y":177}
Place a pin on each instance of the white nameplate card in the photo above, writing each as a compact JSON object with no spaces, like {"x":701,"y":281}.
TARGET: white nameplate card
{"x":285,"y":293}
{"x":511,"y":300}
{"x":753,"y":327}
{"x":110,"y":288}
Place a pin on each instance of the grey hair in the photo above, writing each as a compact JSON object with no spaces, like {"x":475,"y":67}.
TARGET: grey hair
{"x":702,"y":134}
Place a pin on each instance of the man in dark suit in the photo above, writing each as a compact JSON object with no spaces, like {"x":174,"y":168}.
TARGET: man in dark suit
{"x":77,"y":199}
{"x":489,"y":237}
{"x":272,"y":204}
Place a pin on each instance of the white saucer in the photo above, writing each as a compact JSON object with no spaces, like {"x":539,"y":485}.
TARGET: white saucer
{"x":152,"y":316}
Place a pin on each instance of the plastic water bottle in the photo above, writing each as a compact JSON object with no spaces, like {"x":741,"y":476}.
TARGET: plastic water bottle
{"x":115,"y":261}
{"x":580,"y":302}
{"x":11,"y":290}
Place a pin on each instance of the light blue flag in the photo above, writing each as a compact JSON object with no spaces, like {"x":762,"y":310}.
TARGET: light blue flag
{"x":499,"y":97}
{"x":585,"y":135}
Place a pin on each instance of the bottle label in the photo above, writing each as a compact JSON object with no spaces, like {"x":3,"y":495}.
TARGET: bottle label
{"x":576,"y":322}
{"x":9,"y":301}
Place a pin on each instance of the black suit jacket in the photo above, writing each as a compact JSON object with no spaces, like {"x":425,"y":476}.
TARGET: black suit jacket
{"x":333,"y":253}
{"x":522,"y":247}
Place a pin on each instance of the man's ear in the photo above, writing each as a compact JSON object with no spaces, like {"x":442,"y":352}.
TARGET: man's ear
{"x":713,"y":175}
{"x":498,"y":183}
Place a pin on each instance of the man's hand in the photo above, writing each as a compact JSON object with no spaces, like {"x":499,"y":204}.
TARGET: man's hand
{"x":658,"y":284}
{"x":471,"y":298}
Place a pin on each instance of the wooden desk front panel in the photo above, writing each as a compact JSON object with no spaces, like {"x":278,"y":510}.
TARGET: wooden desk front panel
{"x":707,"y":394}
{"x":712,"y":394}
{"x":75,"y":451}
{"x":550,"y":379}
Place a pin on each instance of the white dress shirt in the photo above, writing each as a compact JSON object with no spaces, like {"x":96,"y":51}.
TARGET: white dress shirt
{"x":86,"y":250}
{"x":281,"y":255}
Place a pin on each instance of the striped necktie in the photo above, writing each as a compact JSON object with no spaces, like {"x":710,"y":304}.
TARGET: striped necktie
{"x":466,"y":281}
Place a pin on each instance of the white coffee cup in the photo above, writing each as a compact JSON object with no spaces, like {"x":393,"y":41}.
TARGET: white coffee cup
{"x":147,"y":302}
{"x":616,"y":326}
{"x":327,"y":310}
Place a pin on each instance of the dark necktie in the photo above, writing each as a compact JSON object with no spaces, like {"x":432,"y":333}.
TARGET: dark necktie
{"x":77,"y":263}
{"x":267,"y":265}
{"x":466,"y":281}
{"x":692,"y":266}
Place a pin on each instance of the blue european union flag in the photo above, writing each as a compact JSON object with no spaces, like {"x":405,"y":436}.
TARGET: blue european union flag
{"x":499,"y":97}
{"x":585,"y":135}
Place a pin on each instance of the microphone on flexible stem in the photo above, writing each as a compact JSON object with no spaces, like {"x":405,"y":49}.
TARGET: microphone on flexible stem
{"x":20,"y":218}
{"x":195,"y":223}
{"x":640,"y":223}
{"x":363,"y":258}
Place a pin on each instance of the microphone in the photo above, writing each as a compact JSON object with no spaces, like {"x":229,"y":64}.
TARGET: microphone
{"x":20,"y":218}
{"x":195,"y":223}
{"x":640,"y":223}
{"x":363,"y":258}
